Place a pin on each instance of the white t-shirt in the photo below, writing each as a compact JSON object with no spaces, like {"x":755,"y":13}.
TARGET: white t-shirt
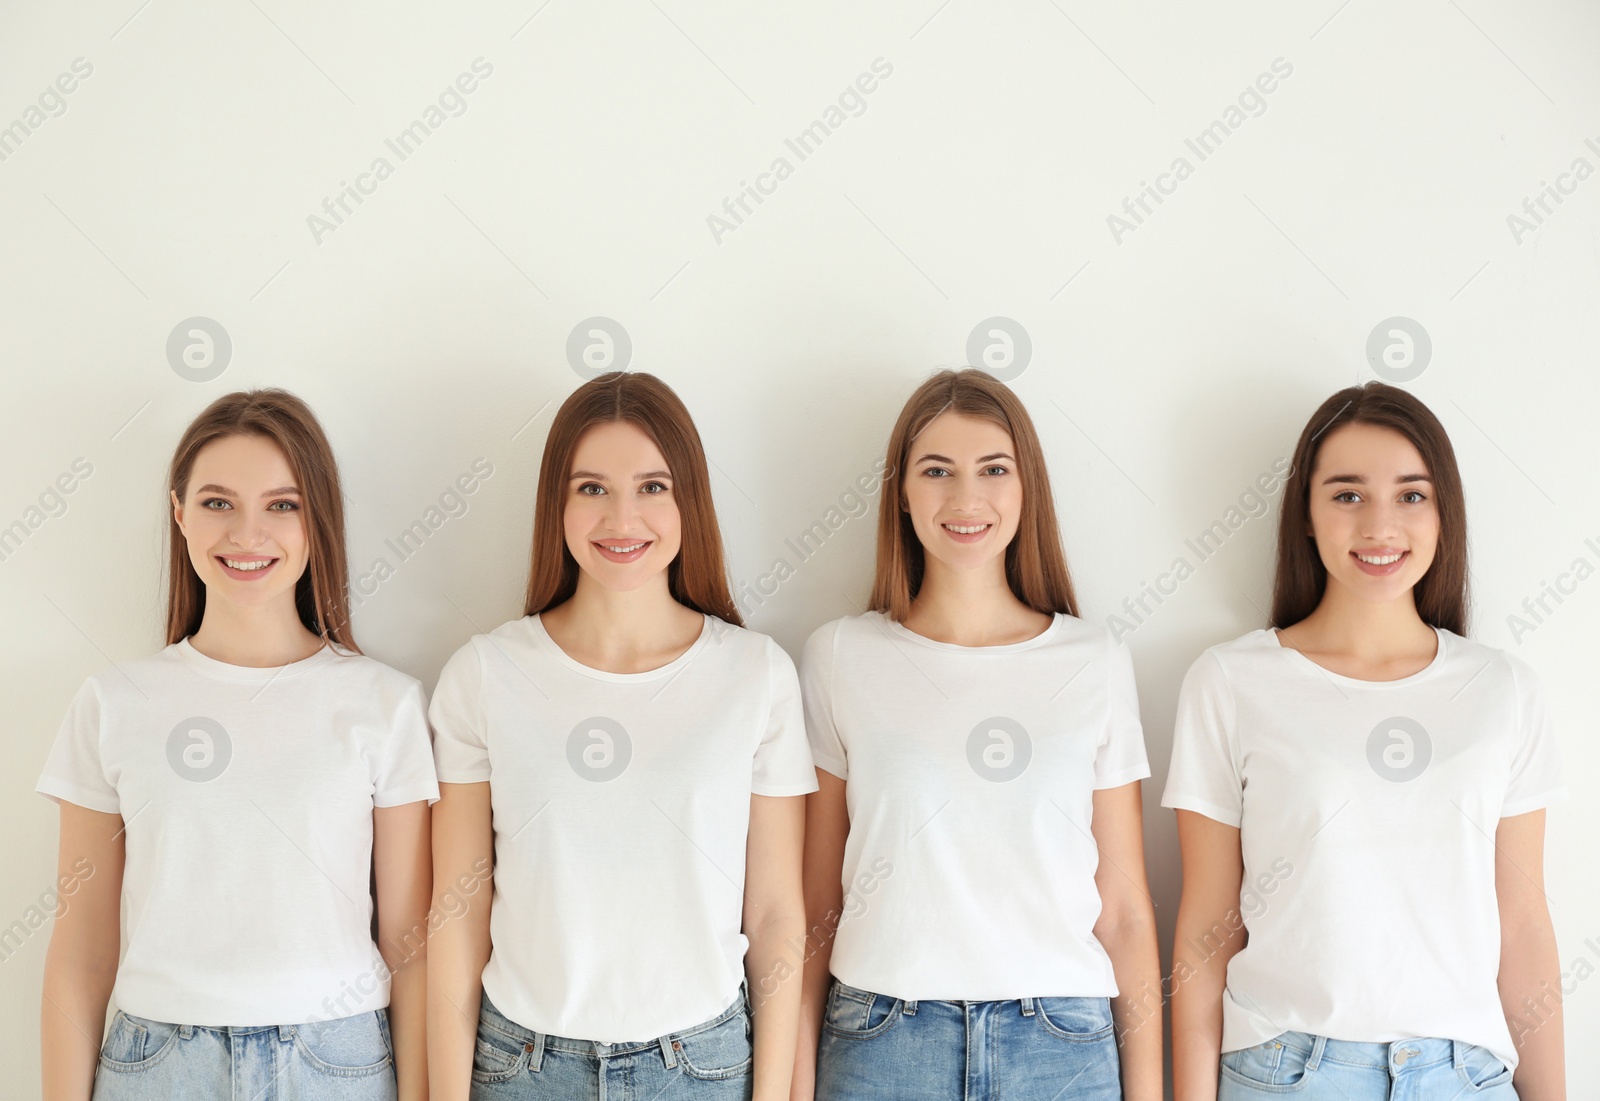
{"x":247,"y":796}
{"x":621,"y":809}
{"x":1367,"y":813}
{"x":971,"y":771}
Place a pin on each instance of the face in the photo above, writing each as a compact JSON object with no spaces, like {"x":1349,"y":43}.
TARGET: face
{"x":962,"y":490}
{"x":243,"y":521}
{"x":1372,"y":512}
{"x":621,"y":519}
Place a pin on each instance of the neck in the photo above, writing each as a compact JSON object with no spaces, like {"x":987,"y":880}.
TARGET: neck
{"x":257,"y":637}
{"x":968,"y":607}
{"x":1343,"y":623}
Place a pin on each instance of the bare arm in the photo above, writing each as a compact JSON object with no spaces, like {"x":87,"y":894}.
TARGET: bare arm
{"x":1530,"y":970}
{"x":80,"y":966}
{"x":403,"y":864}
{"x":1210,"y":931}
{"x":827,"y":826}
{"x":1126,"y":929}
{"x":463,"y":855}
{"x":774,"y":919}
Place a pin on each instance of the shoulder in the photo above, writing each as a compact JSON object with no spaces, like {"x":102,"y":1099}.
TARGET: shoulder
{"x":1475,"y":658}
{"x":1225,"y":663}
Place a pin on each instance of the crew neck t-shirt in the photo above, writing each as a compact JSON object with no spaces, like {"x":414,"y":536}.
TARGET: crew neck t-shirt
{"x":621,"y":807}
{"x":970,"y":777}
{"x":1367,"y":813}
{"x":247,"y":795}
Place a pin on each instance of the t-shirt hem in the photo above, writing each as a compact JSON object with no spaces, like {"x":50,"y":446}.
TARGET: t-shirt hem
{"x":1125,"y":776}
{"x":477,"y":776}
{"x":60,"y":790}
{"x":785,"y":789}
{"x":830,"y":764}
{"x":1180,"y":801}
{"x":407,"y":795}
{"x":1533,"y":802}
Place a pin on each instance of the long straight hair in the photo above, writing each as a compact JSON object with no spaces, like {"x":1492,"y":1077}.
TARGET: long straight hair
{"x":321,"y":595}
{"x":1301,"y":578}
{"x":697,"y":577}
{"x":1036,"y":566}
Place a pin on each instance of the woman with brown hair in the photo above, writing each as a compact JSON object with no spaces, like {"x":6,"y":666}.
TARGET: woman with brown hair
{"x":1360,"y":793}
{"x":630,"y":759}
{"x":979,"y":922}
{"x":235,"y":788}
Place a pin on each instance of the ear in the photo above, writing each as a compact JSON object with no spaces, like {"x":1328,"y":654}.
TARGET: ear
{"x":177,"y":509}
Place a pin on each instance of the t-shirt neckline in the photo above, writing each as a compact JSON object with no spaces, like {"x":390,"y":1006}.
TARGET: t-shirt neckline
{"x":566,"y":659}
{"x":1339,"y":678}
{"x":249,"y":674}
{"x":956,"y":648}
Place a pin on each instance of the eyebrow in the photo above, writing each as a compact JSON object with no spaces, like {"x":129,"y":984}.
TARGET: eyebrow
{"x":214,"y":488}
{"x":1357,"y":479}
{"x":576,"y":474}
{"x":932,"y":458}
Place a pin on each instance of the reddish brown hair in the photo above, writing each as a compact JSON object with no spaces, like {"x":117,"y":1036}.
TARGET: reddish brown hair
{"x":697,"y":577}
{"x":1301,"y":580}
{"x":321,"y":596}
{"x":1036,"y":566}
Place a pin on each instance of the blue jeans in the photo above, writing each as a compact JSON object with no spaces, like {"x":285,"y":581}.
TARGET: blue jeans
{"x":350,"y":1057}
{"x":710,"y":1061}
{"x":1315,"y":1068}
{"x":878,"y":1048}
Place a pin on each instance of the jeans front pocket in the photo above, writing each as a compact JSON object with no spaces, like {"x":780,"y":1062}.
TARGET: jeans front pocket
{"x":856,"y":1014}
{"x":1277,"y":1066}
{"x":348,"y":1047}
{"x":1083,"y":1020}
{"x":1480,"y":1069}
{"x":717,"y":1052}
{"x":136,"y":1044}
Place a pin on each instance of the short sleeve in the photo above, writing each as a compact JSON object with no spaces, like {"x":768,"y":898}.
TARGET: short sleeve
{"x":816,"y":687}
{"x":783,"y":759}
{"x":1121,"y":757}
{"x":1536,"y":776}
{"x":75,"y":770}
{"x":405,"y":764}
{"x":460,"y":742}
{"x":1205,"y":776}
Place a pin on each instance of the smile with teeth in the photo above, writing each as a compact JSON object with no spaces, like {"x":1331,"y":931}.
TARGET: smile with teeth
{"x":628,"y":549}
{"x":240,"y":564}
{"x":1380,"y":559}
{"x":965,"y":529}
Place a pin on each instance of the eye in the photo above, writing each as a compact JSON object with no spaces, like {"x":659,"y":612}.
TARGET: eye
{"x":209,"y":501}
{"x":651,"y":487}
{"x":996,"y":469}
{"x":1413,"y":497}
{"x":929,"y":472}
{"x":1348,"y":496}
{"x":294,"y":506}
{"x":583,"y":490}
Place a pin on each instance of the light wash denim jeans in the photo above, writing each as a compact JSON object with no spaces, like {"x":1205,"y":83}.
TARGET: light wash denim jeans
{"x":1315,"y":1068}
{"x":348,"y":1058}
{"x":710,"y":1061}
{"x":878,"y":1048}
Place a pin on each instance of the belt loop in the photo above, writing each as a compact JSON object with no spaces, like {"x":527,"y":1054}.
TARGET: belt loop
{"x":910,"y":1008}
{"x":186,"y":1031}
{"x":1027,"y":1007}
{"x":1458,"y":1051}
{"x":1317,"y":1047}
{"x":536,"y":1054}
{"x":667,"y":1054}
{"x":286,"y":1032}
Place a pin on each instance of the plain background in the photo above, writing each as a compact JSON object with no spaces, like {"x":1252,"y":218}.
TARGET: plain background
{"x":1171,"y":364}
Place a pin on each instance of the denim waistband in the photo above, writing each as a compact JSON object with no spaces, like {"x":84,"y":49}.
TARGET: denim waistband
{"x":1395,"y":1055}
{"x":536,"y":1043}
{"x":284,"y":1031}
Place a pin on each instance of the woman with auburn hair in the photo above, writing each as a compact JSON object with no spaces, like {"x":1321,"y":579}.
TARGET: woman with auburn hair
{"x":242,"y":788}
{"x":975,"y":887}
{"x":1360,"y":792}
{"x":630,"y":759}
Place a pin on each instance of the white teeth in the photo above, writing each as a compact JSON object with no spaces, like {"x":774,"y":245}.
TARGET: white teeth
{"x":1379,"y":560}
{"x":623,"y":550}
{"x":967,"y":530}
{"x":248,"y":565}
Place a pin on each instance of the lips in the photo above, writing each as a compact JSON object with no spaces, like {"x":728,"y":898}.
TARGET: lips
{"x":251,"y":571}
{"x":1381,"y":562}
{"x":968,"y":535}
{"x":632,"y":551}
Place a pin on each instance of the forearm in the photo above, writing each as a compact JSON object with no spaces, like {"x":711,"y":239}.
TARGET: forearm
{"x":1530,"y":994}
{"x":1197,"y":986}
{"x":1136,"y":1011}
{"x":775,"y":980}
{"x":72,"y":1021}
{"x":408,"y":1025}
{"x":454,"y":991}
{"x":813,"y":1004}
